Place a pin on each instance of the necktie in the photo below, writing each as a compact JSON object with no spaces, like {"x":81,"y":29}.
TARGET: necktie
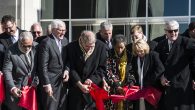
{"x":109,"y":44}
{"x":13,"y":39}
{"x":28,"y":59}
{"x":60,"y":45}
{"x":170,"y":45}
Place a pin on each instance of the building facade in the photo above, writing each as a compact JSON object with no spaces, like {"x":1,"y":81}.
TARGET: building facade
{"x":88,"y":14}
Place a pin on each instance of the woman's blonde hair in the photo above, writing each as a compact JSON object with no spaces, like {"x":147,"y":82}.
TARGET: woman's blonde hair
{"x":140,"y":45}
{"x":135,"y":28}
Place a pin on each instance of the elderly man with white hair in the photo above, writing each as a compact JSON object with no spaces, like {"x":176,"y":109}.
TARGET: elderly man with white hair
{"x":18,"y":68}
{"x":176,"y":53}
{"x":52,"y":68}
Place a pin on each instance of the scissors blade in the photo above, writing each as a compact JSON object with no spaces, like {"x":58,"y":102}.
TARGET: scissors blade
{"x":53,"y":98}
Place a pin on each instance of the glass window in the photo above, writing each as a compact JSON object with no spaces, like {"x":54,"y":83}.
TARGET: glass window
{"x":182,"y":28}
{"x":61,"y":9}
{"x":168,"y":8}
{"x":193,"y":7}
{"x":192,"y":19}
{"x":155,"y":30}
{"x":88,"y":9}
{"x":127,"y":8}
{"x":9,"y":7}
{"x":44,"y":27}
{"x":47,"y":9}
{"x":76,"y":31}
{"x":55,"y":9}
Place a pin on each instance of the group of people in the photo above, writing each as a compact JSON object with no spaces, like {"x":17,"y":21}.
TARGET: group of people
{"x":63,"y":72}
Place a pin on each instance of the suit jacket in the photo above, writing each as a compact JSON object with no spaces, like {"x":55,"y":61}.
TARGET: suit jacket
{"x":2,"y":52}
{"x":177,"y":71}
{"x":152,"y":69}
{"x":39,"y":39}
{"x":16,"y":69}
{"x":5,"y":39}
{"x":91,"y":68}
{"x":99,"y":37}
{"x":50,"y":60}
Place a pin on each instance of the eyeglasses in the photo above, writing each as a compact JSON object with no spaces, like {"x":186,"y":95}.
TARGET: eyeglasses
{"x":26,"y":46}
{"x":171,"y":31}
{"x":36,"y":32}
{"x":61,"y":30}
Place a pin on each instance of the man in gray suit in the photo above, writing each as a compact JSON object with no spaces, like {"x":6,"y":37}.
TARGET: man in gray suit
{"x":52,"y":67}
{"x":19,"y":66}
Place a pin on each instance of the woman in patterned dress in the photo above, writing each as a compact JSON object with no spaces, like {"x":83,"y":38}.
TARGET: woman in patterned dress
{"x":119,"y":69}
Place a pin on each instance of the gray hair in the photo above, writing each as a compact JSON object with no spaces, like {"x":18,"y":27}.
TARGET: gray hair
{"x":106,"y":26}
{"x":36,"y":24}
{"x":171,"y":25}
{"x":57,"y":23}
{"x":25,"y":35}
{"x":87,"y":37}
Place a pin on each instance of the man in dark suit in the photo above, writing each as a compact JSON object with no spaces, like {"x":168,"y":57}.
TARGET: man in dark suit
{"x":87,"y":58}
{"x":52,"y":67}
{"x":176,"y":53}
{"x":105,"y":34}
{"x":160,"y":38}
{"x":2,"y":52}
{"x":11,"y":31}
{"x":19,"y":65}
{"x":190,"y":32}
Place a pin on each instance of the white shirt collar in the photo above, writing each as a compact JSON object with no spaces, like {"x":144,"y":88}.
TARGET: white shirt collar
{"x":57,"y":41}
{"x":16,"y":35}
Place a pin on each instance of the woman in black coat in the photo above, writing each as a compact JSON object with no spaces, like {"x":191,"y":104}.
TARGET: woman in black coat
{"x":147,"y":69}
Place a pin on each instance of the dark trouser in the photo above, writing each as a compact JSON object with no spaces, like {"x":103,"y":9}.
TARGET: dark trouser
{"x":59,"y":93}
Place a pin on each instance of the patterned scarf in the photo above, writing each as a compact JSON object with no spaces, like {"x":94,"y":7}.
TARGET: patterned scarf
{"x":86,"y":54}
{"x":122,"y":65}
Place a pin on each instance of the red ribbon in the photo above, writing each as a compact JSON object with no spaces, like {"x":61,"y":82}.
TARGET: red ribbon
{"x":128,"y":92}
{"x":2,"y":88}
{"x":28,"y":100}
{"x":98,"y":94}
{"x":150,"y":94}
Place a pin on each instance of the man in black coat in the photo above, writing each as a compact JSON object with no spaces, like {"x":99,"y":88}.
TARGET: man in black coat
{"x":176,"y":53}
{"x":2,"y":52}
{"x":87,"y":58}
{"x":190,"y":32}
{"x":11,"y":31}
{"x":52,"y":68}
